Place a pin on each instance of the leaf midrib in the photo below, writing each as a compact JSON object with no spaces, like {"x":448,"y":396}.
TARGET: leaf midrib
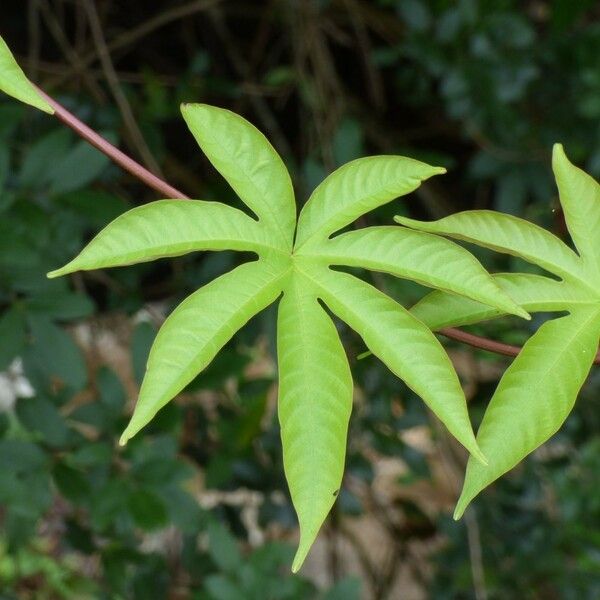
{"x":306,"y":345}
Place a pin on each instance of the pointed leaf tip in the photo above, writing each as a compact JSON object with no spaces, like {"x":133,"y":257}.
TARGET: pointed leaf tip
{"x":558,"y":150}
{"x":465,"y":498}
{"x":54,"y":274}
{"x":314,"y":406}
{"x":559,"y":158}
{"x":298,"y":560}
{"x":479,"y":455}
{"x":15,"y":83}
{"x":458,"y":513}
{"x":125,"y":437}
{"x":304,"y":546}
{"x":521,"y":312}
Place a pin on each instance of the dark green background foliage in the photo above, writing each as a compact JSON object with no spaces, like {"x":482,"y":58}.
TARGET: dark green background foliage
{"x":483,"y":88}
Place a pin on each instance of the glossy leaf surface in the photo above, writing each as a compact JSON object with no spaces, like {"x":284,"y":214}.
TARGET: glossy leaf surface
{"x":580,"y":201}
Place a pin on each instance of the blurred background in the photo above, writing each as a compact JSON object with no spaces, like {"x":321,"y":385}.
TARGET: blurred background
{"x":197,"y":506}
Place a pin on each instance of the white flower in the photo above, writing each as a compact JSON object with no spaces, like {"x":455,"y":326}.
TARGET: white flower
{"x":13,"y":385}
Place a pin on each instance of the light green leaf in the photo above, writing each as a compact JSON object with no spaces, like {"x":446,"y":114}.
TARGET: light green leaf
{"x":534,"y":397}
{"x":168,"y":228}
{"x":315,"y":400}
{"x":422,"y":257}
{"x":356,"y":188}
{"x":580,"y":200}
{"x":508,"y":234}
{"x":403,"y":344}
{"x":246,"y":159}
{"x":198,"y":328}
{"x":315,"y":381}
{"x":534,"y":293}
{"x":14,"y":82}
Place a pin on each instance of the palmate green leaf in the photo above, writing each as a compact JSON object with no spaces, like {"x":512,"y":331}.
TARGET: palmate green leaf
{"x":198,"y":328}
{"x":251,"y":166}
{"x":402,"y":343}
{"x":535,"y":293}
{"x":421,"y":257}
{"x":169,"y":228}
{"x":534,"y":397}
{"x":315,"y":385}
{"x":14,"y":82}
{"x":355,"y":189}
{"x":537,"y":392}
{"x":315,"y":400}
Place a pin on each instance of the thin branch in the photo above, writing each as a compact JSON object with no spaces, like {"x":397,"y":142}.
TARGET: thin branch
{"x":124,"y":161}
{"x":484,"y":343}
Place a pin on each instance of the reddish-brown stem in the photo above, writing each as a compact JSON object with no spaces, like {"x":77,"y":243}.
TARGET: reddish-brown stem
{"x":168,"y":191}
{"x":483,"y":343}
{"x":124,"y":161}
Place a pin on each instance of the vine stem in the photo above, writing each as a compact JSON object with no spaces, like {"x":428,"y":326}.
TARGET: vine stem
{"x":484,"y":343}
{"x":124,"y":161}
{"x":168,"y":191}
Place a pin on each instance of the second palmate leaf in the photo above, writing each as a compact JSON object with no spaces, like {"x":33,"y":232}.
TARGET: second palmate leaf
{"x":294,"y":259}
{"x":539,"y":389}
